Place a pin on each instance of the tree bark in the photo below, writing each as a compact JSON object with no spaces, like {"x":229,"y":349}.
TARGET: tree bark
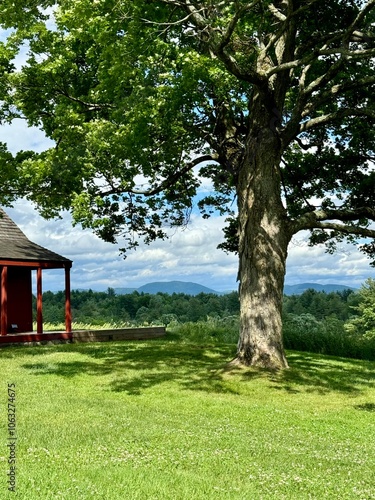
{"x":263,"y":241}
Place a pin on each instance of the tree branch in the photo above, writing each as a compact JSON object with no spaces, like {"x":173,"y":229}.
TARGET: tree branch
{"x":318,"y":220}
{"x":175,"y":23}
{"x":198,"y":19}
{"x":350,"y":54}
{"x":345,"y":52}
{"x":167,"y":183}
{"x":342,"y":228}
{"x":89,"y":105}
{"x":361,"y":14}
{"x":218,"y":45}
{"x":346,"y":215}
{"x":336,"y":90}
{"x":307,"y":5}
{"x":276,"y":13}
{"x":217,"y":40}
{"x":233,"y":23}
{"x":338,"y":115}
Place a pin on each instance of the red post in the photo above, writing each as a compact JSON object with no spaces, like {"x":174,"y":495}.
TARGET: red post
{"x":39,"y":302}
{"x":68,"y":308}
{"x":4,"y":301}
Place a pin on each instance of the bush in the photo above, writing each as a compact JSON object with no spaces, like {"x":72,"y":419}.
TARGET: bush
{"x":224,"y":330}
{"x":301,"y":333}
{"x":329,"y":336}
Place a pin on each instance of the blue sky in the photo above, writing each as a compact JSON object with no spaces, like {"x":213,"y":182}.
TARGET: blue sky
{"x":189,"y":255}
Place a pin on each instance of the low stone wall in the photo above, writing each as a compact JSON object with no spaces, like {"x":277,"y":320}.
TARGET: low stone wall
{"x":144,"y":333}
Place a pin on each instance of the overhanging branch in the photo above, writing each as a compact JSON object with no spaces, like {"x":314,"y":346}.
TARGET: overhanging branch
{"x":359,"y":18}
{"x":338,"y":115}
{"x":335,"y":91}
{"x":327,"y":219}
{"x":346,"y":229}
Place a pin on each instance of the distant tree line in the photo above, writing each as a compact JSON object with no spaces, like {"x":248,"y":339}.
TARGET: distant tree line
{"x":339,"y":323}
{"x":141,"y":308}
{"x":106,"y":307}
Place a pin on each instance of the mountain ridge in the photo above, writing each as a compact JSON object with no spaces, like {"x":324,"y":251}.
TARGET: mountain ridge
{"x":191,"y":288}
{"x":169,"y":287}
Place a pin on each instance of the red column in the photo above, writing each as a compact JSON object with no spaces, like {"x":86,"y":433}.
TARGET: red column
{"x":68,"y":308}
{"x":4,"y":301}
{"x":39,"y":303}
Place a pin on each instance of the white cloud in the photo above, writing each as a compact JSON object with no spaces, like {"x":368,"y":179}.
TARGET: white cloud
{"x":190,"y":255}
{"x":20,"y":137}
{"x":312,"y":264}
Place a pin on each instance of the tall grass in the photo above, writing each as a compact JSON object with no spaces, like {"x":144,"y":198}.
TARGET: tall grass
{"x":213,"y":330}
{"x":77,"y":325}
{"x":301,"y":332}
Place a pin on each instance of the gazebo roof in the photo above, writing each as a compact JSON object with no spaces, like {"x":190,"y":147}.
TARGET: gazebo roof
{"x":15,"y":246}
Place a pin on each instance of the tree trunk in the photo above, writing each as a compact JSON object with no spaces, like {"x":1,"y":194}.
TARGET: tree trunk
{"x":263,"y":243}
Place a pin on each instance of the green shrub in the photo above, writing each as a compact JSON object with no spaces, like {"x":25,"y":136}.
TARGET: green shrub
{"x":328,"y":336}
{"x":223,"y":330}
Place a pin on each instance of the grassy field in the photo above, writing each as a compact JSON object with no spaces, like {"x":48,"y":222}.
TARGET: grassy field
{"x":165,"y":420}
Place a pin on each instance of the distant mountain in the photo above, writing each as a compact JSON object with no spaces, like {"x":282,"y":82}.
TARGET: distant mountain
{"x":169,"y":287}
{"x":190,"y":288}
{"x":175,"y":287}
{"x":302,"y":287}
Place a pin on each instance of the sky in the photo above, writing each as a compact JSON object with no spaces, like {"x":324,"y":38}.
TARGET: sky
{"x":189,"y":255}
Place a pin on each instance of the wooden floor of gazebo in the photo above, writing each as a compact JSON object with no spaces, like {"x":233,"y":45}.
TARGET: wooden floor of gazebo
{"x":143,"y":333}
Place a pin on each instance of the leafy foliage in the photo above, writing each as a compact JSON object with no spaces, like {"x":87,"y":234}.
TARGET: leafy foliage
{"x":105,"y":307}
{"x":135,"y":94}
{"x":364,"y":321}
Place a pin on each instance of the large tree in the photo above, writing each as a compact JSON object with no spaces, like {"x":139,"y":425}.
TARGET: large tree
{"x":271,"y":100}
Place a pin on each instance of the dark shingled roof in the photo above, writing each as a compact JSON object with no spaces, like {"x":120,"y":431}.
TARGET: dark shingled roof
{"x":14,"y":245}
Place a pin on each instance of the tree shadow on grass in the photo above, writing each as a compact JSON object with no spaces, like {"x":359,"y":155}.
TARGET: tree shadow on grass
{"x":137,"y":367}
{"x":322,"y":374}
{"x":366,"y":407}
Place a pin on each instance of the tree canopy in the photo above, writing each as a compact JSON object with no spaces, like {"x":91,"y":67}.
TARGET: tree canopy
{"x":364,"y":322}
{"x":270,"y":100}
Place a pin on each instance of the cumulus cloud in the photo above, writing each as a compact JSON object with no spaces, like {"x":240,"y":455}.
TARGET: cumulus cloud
{"x":348,"y":266}
{"x":20,"y":137}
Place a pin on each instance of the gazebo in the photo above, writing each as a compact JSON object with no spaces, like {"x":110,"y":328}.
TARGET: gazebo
{"x":18,"y":258}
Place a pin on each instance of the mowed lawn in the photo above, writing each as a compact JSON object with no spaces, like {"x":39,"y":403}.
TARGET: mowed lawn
{"x":165,"y":420}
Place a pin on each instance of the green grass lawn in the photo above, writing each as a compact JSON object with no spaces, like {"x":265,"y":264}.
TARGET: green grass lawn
{"x":164,"y":420}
